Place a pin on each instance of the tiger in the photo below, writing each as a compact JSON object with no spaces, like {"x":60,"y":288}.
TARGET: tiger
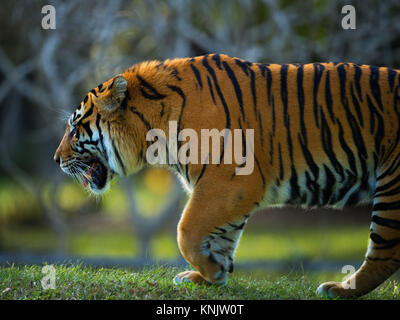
{"x":325,"y":135}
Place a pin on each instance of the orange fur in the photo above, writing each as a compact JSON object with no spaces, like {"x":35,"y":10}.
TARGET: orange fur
{"x":324,"y":135}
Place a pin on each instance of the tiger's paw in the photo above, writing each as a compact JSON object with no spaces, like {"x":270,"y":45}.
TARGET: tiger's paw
{"x":333,"y":290}
{"x":195,"y":277}
{"x":189,"y":277}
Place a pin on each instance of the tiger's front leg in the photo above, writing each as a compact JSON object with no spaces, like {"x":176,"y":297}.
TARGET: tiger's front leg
{"x":214,"y":257}
{"x":209,"y":232}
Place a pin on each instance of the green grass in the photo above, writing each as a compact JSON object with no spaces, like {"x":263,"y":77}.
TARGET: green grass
{"x":346,"y":242}
{"x":79,"y":282}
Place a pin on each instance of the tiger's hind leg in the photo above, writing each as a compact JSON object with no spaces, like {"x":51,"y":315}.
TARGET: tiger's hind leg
{"x":209,"y":232}
{"x":383,"y":255}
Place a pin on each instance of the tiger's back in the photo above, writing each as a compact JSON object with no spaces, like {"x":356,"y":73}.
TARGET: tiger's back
{"x":322,"y":131}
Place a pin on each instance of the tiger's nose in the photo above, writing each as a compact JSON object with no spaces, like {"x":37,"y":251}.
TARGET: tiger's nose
{"x":57,"y":159}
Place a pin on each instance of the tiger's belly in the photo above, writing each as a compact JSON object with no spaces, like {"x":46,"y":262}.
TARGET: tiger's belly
{"x":328,"y":190}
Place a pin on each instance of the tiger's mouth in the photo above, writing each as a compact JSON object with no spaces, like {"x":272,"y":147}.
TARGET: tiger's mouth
{"x":96,"y":176}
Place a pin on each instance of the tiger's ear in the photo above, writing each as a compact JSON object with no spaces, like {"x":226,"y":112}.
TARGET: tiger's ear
{"x":110,"y":100}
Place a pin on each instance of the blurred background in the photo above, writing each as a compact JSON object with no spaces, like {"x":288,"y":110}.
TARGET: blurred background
{"x":47,"y":217}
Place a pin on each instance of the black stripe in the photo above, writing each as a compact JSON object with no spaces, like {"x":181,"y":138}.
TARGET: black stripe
{"x":175,"y":74}
{"x":160,"y":65}
{"x":187,"y":173}
{"x":253,"y":91}
{"x":386,"y":244}
{"x":256,"y":112}
{"x":342,"y":82}
{"x":87,"y":114}
{"x":373,"y":112}
{"x":294,"y":186}
{"x":217,"y":60}
{"x":281,"y":173}
{"x":201,"y":173}
{"x":350,"y":156}
{"x":141,"y":117}
{"x":111,"y":84}
{"x":75,"y":115}
{"x":392,"y":168}
{"x":380,"y":132}
{"x":390,"y":223}
{"x":318,"y":72}
{"x":244,"y":149}
{"x":269,"y":83}
{"x":313,"y":186}
{"x":329,"y":186}
{"x":271,"y":149}
{"x":286,"y":117}
{"x":116,"y":152}
{"x":259,"y":169}
{"x":262,"y":68}
{"x":148,"y":91}
{"x":211,"y":90}
{"x":260,"y":127}
{"x":98,"y":117}
{"x":388,"y":185}
{"x":308,"y":157}
{"x":182,"y":95}
{"x":391,"y":78}
{"x":273,"y":116}
{"x":327,"y":145}
{"x":374,"y":84}
{"x":357,"y":80}
{"x":89,"y":131}
{"x":243,"y":66}
{"x":394,"y":191}
{"x":162,"y":109}
{"x":226,"y":238}
{"x":221,"y":231}
{"x":386,"y":206}
{"x":300,"y":99}
{"x":345,"y":187}
{"x":236,"y":86}
{"x":238,"y":227}
{"x":100,"y":88}
{"x":356,"y":106}
{"x":197,"y":75}
{"x":383,"y":259}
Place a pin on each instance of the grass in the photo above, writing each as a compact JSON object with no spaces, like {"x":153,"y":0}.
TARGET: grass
{"x":81,"y":282}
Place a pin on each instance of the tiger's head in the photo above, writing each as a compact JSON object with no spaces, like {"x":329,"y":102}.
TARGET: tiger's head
{"x":94,"y":147}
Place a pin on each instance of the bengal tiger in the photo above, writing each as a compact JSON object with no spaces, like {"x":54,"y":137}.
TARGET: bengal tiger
{"x":325,"y":134}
